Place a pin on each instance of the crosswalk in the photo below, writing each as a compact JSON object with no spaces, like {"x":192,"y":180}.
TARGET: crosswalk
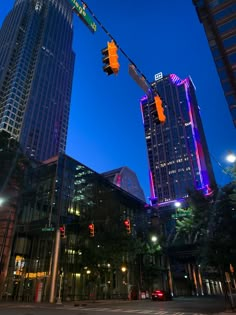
{"x":106,"y":310}
{"x":130,"y":311}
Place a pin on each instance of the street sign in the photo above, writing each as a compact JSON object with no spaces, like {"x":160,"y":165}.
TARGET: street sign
{"x":48,"y":229}
{"x":79,"y":10}
{"x":140,"y":80}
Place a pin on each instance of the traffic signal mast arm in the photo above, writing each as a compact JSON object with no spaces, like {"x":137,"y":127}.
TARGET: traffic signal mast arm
{"x":111,"y":64}
{"x":116,"y":44}
{"x":82,"y":14}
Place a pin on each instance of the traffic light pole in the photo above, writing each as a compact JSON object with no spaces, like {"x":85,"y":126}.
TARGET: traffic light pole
{"x":54,"y":267}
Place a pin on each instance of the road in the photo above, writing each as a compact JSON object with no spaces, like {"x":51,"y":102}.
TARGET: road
{"x":179,"y":306}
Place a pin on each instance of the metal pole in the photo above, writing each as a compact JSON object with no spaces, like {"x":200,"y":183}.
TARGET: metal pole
{"x":59,"y":293}
{"x":228,"y":281}
{"x":200,"y":281}
{"x":170,"y":280}
{"x":55,"y":265}
{"x":195,"y":280}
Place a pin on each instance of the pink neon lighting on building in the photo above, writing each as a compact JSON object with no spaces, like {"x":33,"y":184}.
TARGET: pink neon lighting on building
{"x":198,"y":146}
{"x":118,"y":180}
{"x":151,"y":185}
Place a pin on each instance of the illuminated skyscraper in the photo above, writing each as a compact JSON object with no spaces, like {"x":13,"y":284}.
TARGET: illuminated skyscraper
{"x":36,"y":71}
{"x":219,"y":20}
{"x":177,"y":150}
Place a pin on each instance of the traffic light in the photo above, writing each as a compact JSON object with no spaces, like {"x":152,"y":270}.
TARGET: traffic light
{"x":110,"y":59}
{"x":159,"y":109}
{"x":127,"y":226}
{"x":62,"y":231}
{"x":91,"y":230}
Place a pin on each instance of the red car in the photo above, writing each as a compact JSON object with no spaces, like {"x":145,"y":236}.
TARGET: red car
{"x":161,"y":295}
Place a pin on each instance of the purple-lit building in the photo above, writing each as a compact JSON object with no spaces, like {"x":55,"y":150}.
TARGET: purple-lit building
{"x":177,"y":150}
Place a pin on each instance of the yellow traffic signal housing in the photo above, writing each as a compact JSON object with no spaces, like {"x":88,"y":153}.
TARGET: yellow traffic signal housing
{"x":159,"y":109}
{"x":110,"y":59}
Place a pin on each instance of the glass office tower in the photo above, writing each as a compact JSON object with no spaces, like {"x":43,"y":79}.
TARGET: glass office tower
{"x":177,"y":150}
{"x":62,"y":192}
{"x":219,"y":20}
{"x":36,"y":71}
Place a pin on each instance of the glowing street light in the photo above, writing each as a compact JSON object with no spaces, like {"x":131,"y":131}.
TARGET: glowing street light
{"x":123,"y":269}
{"x":154,"y":238}
{"x":1,"y":201}
{"x":231,"y":157}
{"x":177,"y":204}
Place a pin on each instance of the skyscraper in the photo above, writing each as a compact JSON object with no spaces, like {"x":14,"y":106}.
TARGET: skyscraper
{"x":177,"y":150}
{"x":219,"y":21}
{"x":36,"y":71}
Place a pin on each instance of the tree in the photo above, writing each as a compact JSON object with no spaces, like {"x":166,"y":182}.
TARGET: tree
{"x":221,"y":244}
{"x":192,"y":222}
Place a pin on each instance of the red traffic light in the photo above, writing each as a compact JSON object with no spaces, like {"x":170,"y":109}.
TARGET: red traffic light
{"x":62,"y":231}
{"x":91,"y":230}
{"x":127,"y":225}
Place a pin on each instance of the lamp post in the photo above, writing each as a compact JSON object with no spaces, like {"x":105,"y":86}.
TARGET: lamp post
{"x":125,"y":279}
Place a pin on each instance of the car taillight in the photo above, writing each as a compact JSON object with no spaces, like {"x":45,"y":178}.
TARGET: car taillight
{"x":160,"y":294}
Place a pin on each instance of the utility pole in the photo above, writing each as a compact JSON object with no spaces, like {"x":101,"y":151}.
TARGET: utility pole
{"x":54,"y":266}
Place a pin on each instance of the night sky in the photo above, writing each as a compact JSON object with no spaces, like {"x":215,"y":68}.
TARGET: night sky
{"x":105,"y":128}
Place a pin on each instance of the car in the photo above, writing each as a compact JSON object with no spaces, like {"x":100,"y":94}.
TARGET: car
{"x":161,"y":295}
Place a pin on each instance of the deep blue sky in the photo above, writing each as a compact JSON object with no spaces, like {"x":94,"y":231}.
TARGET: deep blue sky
{"x":105,"y":129}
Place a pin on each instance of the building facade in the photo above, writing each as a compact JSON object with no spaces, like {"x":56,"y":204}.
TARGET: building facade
{"x":219,"y":20}
{"x":36,"y":71}
{"x":177,"y":150}
{"x":66,"y":197}
{"x":126,"y":179}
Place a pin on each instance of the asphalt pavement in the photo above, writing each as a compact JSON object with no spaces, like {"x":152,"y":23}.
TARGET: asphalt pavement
{"x":179,"y":305}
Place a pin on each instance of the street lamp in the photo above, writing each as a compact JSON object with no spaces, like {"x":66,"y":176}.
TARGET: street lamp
{"x":231,"y":157}
{"x":154,"y":238}
{"x":1,"y":201}
{"x":177,"y":204}
{"x":123,"y":269}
